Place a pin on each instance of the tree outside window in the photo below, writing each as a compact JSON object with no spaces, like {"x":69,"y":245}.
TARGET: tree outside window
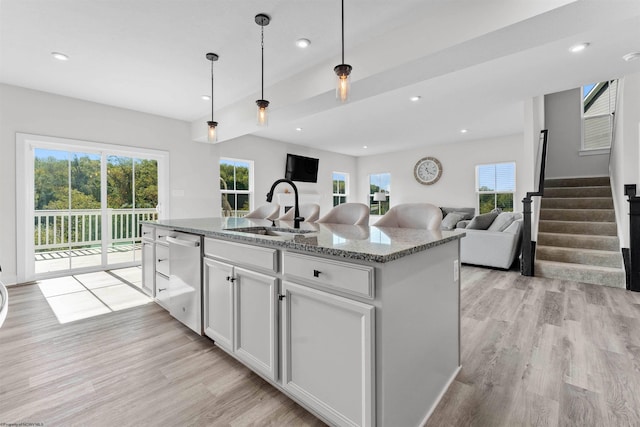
{"x":340,"y":188}
{"x":496,"y":186}
{"x":379,"y":183}
{"x":236,"y":186}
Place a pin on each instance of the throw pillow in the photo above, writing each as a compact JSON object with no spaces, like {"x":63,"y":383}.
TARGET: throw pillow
{"x":465,"y":215}
{"x":503,"y":220}
{"x":451,"y":220}
{"x":482,"y":222}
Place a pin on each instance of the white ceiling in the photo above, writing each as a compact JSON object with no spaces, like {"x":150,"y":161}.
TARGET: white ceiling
{"x":473,"y":62}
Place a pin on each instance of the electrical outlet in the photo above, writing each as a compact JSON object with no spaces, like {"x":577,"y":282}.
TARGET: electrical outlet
{"x":456,"y":270}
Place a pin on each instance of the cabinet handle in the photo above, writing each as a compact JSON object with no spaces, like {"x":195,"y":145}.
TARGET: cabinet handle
{"x":316,"y":273}
{"x":160,"y":236}
{"x":231,"y":279}
{"x":281,"y":297}
{"x":162,"y":289}
{"x":146,"y":232}
{"x":161,"y":259}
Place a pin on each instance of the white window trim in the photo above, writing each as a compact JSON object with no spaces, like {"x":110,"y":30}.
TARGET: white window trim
{"x":370,"y":196}
{"x":25,"y":146}
{"x":515,"y":184}
{"x":250,"y":191}
{"x":346,"y":187}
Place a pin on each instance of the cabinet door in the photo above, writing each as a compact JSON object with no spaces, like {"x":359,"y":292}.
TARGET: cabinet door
{"x":218,"y":302}
{"x":329,"y":340}
{"x":255,"y":320}
{"x":148,"y":268}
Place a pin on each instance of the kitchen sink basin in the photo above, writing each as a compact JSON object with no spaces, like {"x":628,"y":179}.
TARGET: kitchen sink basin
{"x":275,"y":232}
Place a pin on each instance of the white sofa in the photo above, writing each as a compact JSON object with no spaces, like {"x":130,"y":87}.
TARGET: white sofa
{"x":491,"y":248}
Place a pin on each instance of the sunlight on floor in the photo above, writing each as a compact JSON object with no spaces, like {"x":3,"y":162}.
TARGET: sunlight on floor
{"x":92,"y":294}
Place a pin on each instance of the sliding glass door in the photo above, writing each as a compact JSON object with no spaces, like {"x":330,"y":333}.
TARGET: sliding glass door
{"x":87,"y":207}
{"x":132,"y":196}
{"x":67,"y":214}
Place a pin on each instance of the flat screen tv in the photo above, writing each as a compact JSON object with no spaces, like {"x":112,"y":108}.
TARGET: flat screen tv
{"x":300,"y":168}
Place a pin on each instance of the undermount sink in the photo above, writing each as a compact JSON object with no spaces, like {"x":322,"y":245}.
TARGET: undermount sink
{"x":282,"y":233}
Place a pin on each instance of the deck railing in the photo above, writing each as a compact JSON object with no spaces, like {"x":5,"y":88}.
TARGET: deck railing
{"x":83,"y":227}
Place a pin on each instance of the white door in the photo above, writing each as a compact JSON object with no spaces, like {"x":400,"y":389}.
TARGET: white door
{"x":83,"y":203}
{"x":218,"y":302}
{"x":256,"y":320}
{"x":328,"y":340}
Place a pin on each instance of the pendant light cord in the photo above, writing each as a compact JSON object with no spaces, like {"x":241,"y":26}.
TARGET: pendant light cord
{"x":262,"y":51}
{"x":343,"y":31}
{"x":212,"y":91}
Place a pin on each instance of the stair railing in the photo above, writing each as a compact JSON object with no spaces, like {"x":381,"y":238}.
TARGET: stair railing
{"x":529,"y":246}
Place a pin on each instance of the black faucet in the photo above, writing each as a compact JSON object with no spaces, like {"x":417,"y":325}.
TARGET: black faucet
{"x":296,"y":213}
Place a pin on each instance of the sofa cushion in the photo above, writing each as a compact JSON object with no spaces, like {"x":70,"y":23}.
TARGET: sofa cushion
{"x":482,"y":222}
{"x":468,"y":212}
{"x":463,"y":223}
{"x":514,"y":228}
{"x":451,"y":220}
{"x":502,"y":221}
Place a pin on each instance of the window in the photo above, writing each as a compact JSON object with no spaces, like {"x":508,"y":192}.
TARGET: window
{"x":496,"y":186}
{"x":236,"y":186}
{"x":340,"y":182}
{"x":599,"y":102}
{"x":379,"y":189}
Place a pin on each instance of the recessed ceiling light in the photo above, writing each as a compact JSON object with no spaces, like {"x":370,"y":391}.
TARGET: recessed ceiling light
{"x":631,"y":56}
{"x":60,"y":56}
{"x":205,"y":97}
{"x":299,"y":129}
{"x":463,"y":131}
{"x":364,"y":146}
{"x":303,"y":43}
{"x":579,"y":47}
{"x":415,"y":98}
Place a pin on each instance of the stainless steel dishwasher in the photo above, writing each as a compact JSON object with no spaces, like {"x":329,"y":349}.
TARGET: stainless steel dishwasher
{"x":185,"y":279}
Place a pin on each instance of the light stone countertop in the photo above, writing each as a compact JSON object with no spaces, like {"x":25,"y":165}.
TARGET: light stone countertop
{"x":366,"y":243}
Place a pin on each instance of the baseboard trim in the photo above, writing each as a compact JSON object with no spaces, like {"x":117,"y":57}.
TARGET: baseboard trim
{"x":440,"y":396}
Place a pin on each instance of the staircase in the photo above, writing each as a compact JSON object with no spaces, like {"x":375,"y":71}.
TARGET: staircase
{"x":577,"y":234}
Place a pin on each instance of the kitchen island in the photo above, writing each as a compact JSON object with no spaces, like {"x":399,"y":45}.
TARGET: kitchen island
{"x":358,"y":324}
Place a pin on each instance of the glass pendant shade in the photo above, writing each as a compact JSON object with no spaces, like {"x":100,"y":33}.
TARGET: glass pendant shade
{"x":343,"y":72}
{"x":212,"y":135}
{"x":263,"y":116}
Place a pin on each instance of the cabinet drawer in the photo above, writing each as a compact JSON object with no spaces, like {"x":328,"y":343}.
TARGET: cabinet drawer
{"x":162,"y":233}
{"x":238,"y":253}
{"x":162,"y":290}
{"x":148,"y":232}
{"x":162,"y":259}
{"x":350,"y":278}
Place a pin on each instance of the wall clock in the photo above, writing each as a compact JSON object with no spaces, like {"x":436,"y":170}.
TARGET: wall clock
{"x":428,"y":170}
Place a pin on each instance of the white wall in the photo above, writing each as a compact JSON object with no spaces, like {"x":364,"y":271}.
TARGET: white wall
{"x":563,"y":118}
{"x":193,"y":166}
{"x":456,"y":187}
{"x":270,"y":157}
{"x":625,"y":156}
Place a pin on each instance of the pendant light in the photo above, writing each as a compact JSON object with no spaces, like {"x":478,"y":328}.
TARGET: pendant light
{"x":212,"y":135}
{"x":343,"y":71}
{"x":263,"y":119}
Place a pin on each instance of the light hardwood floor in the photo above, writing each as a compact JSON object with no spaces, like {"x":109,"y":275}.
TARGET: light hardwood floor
{"x":542,"y":352}
{"x":534,"y":352}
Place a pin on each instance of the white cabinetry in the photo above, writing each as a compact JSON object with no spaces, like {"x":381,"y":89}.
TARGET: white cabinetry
{"x":218,"y":302}
{"x":162,"y":275}
{"x":328,"y":353}
{"x":148,"y":260}
{"x":240,"y":307}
